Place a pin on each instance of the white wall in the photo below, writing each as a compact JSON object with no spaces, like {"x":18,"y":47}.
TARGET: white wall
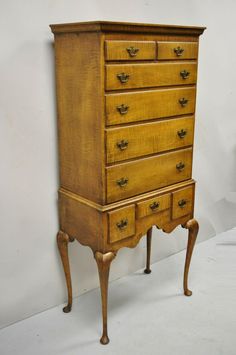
{"x":31,"y":277}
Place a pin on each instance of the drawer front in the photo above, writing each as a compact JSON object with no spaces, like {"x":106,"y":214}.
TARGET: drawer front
{"x":153,"y":205}
{"x":145,"y":105}
{"x":182,"y":202}
{"x":128,"y":76}
{"x":130,"y":50}
{"x":150,"y":138}
{"x":132,"y":178}
{"x":177,"y":50}
{"x":121,"y":223}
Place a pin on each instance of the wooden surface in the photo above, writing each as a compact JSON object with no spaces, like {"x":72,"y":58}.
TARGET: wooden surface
{"x":118,"y":50}
{"x":162,"y":220}
{"x":167,"y":50}
{"x":134,"y":199}
{"x":186,"y":195}
{"x":153,"y":205}
{"x":150,"y":138}
{"x":115,"y":217}
{"x":125,"y":148}
{"x":80,"y":119}
{"x":149,"y":75}
{"x":63,"y":240}
{"x":127,"y":27}
{"x":103,"y":263}
{"x":156,"y":172}
{"x":148,"y":261}
{"x":193,"y":227}
{"x":91,"y":226}
{"x":149,"y":104}
{"x":81,"y":221}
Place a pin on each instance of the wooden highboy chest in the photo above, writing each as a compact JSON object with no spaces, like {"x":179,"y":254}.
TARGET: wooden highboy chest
{"x":126,"y":95}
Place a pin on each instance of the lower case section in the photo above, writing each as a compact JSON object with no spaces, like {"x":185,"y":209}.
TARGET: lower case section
{"x":122,"y":224}
{"x":106,"y":229}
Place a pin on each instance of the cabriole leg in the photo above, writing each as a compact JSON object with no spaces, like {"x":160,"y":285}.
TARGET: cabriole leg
{"x":193,"y":227}
{"x":62,"y":241}
{"x":149,"y":243}
{"x":103,"y":263}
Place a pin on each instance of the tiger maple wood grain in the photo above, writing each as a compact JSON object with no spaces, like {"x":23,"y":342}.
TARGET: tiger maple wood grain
{"x":149,"y":75}
{"x":149,"y":104}
{"x":149,"y":138}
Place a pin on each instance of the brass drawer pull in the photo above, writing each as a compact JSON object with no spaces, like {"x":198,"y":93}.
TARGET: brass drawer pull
{"x":122,"y":224}
{"x":182,"y":203}
{"x":178,"y":51}
{"x":123,"y":109}
{"x":123,"y":144}
{"x":185,"y":74}
{"x":180,"y":166}
{"x":123,"y":77}
{"x":183,"y":102}
{"x":182,"y":133}
{"x":122,"y":182}
{"x":155,"y":205}
{"x":132,"y":51}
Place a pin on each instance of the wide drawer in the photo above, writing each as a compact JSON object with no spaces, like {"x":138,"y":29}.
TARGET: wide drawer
{"x":149,"y":138}
{"x":182,"y":202}
{"x":153,"y":205}
{"x":130,"y":50}
{"x":145,"y":105}
{"x":132,"y":178}
{"x":121,"y":223}
{"x":128,"y":76}
{"x":177,"y":50}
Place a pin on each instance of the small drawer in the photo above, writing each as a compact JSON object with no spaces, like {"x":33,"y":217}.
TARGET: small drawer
{"x":130,"y":50}
{"x":182,"y":202}
{"x":177,"y":50}
{"x":153,"y":205}
{"x":121,"y":223}
{"x":139,"y":75}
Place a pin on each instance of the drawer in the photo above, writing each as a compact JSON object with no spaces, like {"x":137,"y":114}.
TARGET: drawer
{"x":182,"y":202}
{"x":121,"y":223}
{"x":145,"y":105}
{"x":143,"y":175}
{"x":153,"y":205}
{"x":144,"y":139}
{"x":130,"y":50}
{"x":177,"y":50}
{"x":128,"y":76}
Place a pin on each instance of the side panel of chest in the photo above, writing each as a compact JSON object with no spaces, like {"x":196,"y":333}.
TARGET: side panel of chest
{"x":80,"y":101}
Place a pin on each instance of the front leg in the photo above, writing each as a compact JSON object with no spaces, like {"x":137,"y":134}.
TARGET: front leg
{"x":149,"y":242}
{"x":103,"y":263}
{"x":62,"y":241}
{"x":193,"y":227}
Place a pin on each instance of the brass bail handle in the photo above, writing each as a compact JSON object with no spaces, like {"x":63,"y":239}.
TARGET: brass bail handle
{"x":123,"y":77}
{"x":182,"y":203}
{"x":122,"y":224}
{"x":123,"y":109}
{"x":154,"y":205}
{"x":183,"y":102}
{"x":180,"y":166}
{"x":133,"y":51}
{"x":123,"y":144}
{"x":182,"y":133}
{"x":184,"y":74}
{"x":122,"y":182}
{"x":178,"y":51}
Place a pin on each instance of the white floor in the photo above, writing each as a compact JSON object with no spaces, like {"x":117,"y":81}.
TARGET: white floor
{"x":148,"y":314}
